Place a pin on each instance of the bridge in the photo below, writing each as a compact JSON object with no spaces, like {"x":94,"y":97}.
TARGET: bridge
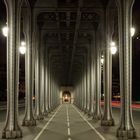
{"x":68,"y":46}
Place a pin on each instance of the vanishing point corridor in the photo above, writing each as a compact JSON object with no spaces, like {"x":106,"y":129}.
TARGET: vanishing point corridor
{"x":69,"y":69}
{"x":67,"y":123}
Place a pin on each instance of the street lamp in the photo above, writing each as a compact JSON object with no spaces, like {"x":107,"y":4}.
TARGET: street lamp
{"x":5,"y":31}
{"x":22,"y":48}
{"x":102,"y":59}
{"x":132,"y":31}
{"x":113,"y":48}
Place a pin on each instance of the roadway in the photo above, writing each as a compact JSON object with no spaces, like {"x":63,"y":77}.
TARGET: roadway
{"x":69,"y":123}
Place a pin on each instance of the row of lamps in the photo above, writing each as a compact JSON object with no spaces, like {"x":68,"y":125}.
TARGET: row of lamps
{"x":22,"y":48}
{"x":113,"y":47}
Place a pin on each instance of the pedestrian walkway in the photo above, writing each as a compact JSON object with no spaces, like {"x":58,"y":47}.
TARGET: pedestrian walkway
{"x":67,"y":122}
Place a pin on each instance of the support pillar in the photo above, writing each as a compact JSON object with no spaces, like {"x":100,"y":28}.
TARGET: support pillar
{"x":87,"y":85}
{"x":46,"y":88}
{"x":38,"y":113}
{"x":42,"y":78}
{"x":49,"y":86}
{"x":107,"y":119}
{"x":83,"y":93}
{"x":12,"y":129}
{"x":97,"y":111}
{"x":84,"y":84}
{"x":93,"y":85}
{"x":29,"y":79}
{"x":126,"y":128}
{"x":90,"y":112}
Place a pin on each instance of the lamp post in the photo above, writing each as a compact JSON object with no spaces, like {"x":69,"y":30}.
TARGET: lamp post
{"x":102,"y":59}
{"x":132,"y":31}
{"x":22,"y":48}
{"x":113,"y":49}
{"x":107,"y":119}
{"x":5,"y":31}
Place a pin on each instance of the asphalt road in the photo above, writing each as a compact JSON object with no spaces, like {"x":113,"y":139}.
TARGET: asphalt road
{"x":69,"y":123}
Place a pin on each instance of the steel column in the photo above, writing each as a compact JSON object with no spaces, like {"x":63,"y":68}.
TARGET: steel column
{"x":97,"y":111}
{"x":38,"y":113}
{"x":126,"y":128}
{"x":107,"y":119}
{"x":12,"y":129}
{"x":29,"y":78}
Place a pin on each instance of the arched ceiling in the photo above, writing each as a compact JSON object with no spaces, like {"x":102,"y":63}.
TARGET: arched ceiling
{"x":67,"y":28}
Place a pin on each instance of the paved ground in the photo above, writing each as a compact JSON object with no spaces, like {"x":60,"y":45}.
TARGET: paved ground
{"x":68,"y":123}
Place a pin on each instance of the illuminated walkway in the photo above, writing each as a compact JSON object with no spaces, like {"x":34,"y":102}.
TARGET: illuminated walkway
{"x":68,"y":123}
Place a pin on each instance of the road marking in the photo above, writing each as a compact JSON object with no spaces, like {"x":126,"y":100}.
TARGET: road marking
{"x":68,"y":124}
{"x":67,"y":114}
{"x":89,"y":124}
{"x":68,"y":131}
{"x":44,"y":128}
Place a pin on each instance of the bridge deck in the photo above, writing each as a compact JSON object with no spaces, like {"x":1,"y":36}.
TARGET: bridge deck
{"x":68,"y":123}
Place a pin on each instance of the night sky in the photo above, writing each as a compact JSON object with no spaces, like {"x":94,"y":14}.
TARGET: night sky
{"x":136,"y":51}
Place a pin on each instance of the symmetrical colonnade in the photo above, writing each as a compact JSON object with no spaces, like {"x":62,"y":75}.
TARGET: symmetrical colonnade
{"x":101,"y":46}
{"x":87,"y":90}
{"x":35,"y":66}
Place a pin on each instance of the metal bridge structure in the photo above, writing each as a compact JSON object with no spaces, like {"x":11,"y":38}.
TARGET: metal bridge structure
{"x":65,"y":40}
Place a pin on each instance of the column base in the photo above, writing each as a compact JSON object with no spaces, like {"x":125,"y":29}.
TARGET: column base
{"x":29,"y":123}
{"x":107,"y":122}
{"x":39,"y":117}
{"x":49,"y":111}
{"x":86,"y":111}
{"x":97,"y":116}
{"x":90,"y":114}
{"x":127,"y":134}
{"x":7,"y":134}
{"x":45,"y":113}
{"x":82,"y":109}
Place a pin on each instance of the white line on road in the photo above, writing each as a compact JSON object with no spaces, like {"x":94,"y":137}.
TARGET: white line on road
{"x":90,"y":125}
{"x":43,"y":129}
{"x":69,"y":132}
{"x":67,"y":114}
{"x":68,"y":123}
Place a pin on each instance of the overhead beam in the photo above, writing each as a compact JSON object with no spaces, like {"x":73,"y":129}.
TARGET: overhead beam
{"x":67,"y":9}
{"x":75,"y":36}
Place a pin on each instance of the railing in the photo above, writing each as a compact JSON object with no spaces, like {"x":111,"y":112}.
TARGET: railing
{"x":3,"y":105}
